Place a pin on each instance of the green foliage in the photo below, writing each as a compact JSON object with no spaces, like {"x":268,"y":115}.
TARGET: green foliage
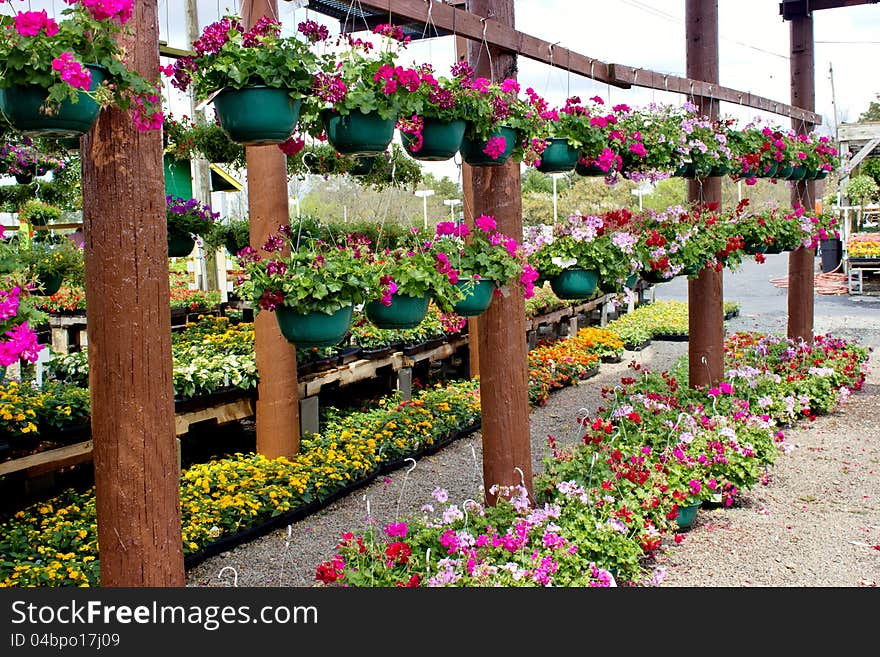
{"x":58,"y":256}
{"x":39,"y":213}
{"x":862,"y":189}
{"x":872,"y":113}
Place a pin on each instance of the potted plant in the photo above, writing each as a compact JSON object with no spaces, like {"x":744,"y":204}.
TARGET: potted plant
{"x":486,"y":260}
{"x":38,"y":213}
{"x":575,"y":255}
{"x":407,"y":278}
{"x":357,"y":98}
{"x":255,"y":77}
{"x":24,"y":162}
{"x":58,"y":75}
{"x":500,"y":124}
{"x":186,"y":218}
{"x":17,"y":337}
{"x":312,"y":291}
{"x":702,"y":145}
{"x":646,"y":140}
{"x":234,"y":234}
{"x":435,"y":129}
{"x":49,"y":262}
{"x":569,"y":136}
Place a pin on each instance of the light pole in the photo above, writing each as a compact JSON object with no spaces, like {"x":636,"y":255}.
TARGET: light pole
{"x":424,"y":194}
{"x":451,"y":202}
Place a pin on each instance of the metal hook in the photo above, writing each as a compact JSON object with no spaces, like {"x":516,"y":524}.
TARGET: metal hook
{"x":485,"y":26}
{"x":522,"y":477}
{"x":403,"y":485}
{"x":234,"y":574}
{"x":666,"y":82}
{"x":592,"y":75}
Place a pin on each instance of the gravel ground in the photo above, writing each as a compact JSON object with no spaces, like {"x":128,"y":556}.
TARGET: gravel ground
{"x":814,"y":522}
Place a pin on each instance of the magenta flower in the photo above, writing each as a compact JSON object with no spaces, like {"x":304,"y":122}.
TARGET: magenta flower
{"x":495,"y":147}
{"x":695,"y":486}
{"x":29,"y":23}
{"x":485,"y":223}
{"x":313,"y":31}
{"x":726,"y":388}
{"x":72,"y":72}
{"x":510,"y":86}
{"x":396,"y":530}
{"x":107,"y":9}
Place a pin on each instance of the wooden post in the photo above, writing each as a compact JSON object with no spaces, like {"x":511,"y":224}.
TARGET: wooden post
{"x":130,"y":380}
{"x":705,"y":293}
{"x":277,"y":400}
{"x":801,"y":262}
{"x":503,"y":357}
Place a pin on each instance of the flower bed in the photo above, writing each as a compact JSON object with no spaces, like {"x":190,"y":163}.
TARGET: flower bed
{"x":658,"y":321}
{"x":605,"y":503}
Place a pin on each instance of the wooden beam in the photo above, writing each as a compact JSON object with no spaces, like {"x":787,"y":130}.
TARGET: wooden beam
{"x":468,"y":25}
{"x":791,"y":9}
{"x":858,"y":131}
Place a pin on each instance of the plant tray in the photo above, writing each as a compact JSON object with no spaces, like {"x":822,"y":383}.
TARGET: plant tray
{"x":590,"y":373}
{"x":612,"y":359}
{"x":412,"y":350}
{"x":636,"y":347}
{"x":348,"y":355}
{"x":672,"y":337}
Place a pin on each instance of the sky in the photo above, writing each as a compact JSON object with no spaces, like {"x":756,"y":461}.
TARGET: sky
{"x":650,"y":34}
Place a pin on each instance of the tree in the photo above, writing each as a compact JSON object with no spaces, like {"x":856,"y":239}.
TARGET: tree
{"x":872,"y":113}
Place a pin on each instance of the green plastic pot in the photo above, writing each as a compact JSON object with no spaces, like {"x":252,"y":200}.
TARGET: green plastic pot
{"x":258,"y":114}
{"x":754,"y":249}
{"x":478,"y":296}
{"x":690,"y":270}
{"x":784,"y":172}
{"x":24,"y":178}
{"x":719,"y":170}
{"x":821,"y":173}
{"x":558,"y":157}
{"x":588,"y":170}
{"x":50,"y":284}
{"x":472,"y":150}
{"x":770,"y":171}
{"x":687,"y":515}
{"x":440,"y":140}
{"x":314,"y":329}
{"x":357,"y":133}
{"x":180,"y":246}
{"x":797,"y":173}
{"x":21,"y":104}
{"x":773,"y":250}
{"x":685,"y":170}
{"x":652,"y":276}
{"x":404,"y":312}
{"x":575,"y":283}
{"x":232,"y":246}
{"x":631,"y":281}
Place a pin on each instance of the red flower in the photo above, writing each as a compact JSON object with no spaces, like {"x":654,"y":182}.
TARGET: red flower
{"x":398,"y":552}
{"x":412,"y":583}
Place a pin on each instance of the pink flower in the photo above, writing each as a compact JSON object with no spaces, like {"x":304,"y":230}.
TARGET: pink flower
{"x":21,"y":343}
{"x":510,"y":86}
{"x":292,"y":146}
{"x":107,"y":9}
{"x":147,"y":118}
{"x":72,"y":72}
{"x":485,"y":223}
{"x":29,"y":23}
{"x":638,"y":149}
{"x":695,"y":486}
{"x":396,"y":530}
{"x":726,"y":388}
{"x":495,"y":147}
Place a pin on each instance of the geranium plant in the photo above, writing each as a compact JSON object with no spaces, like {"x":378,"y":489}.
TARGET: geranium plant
{"x":317,"y":276}
{"x":227,"y":56}
{"x":77,"y":55}
{"x":17,"y":312}
{"x":484,"y":253}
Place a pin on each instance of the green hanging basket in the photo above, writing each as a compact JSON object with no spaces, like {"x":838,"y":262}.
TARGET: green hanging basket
{"x":687,"y":515}
{"x":478,"y":296}
{"x":315,"y":329}
{"x":770,"y":171}
{"x":719,"y":170}
{"x":797,"y":173}
{"x":784,"y":172}
{"x":405,"y":312}
{"x":180,"y":246}
{"x":357,"y":133}
{"x":50,"y":284}
{"x":754,"y":249}
{"x":653,"y":276}
{"x":24,"y":178}
{"x":821,"y":173}
{"x":472,"y":150}
{"x":24,"y":108}
{"x":575,"y":283}
{"x":558,"y":157}
{"x":631,"y":281}
{"x":686,"y":170}
{"x":440,"y":140}
{"x":258,"y":114}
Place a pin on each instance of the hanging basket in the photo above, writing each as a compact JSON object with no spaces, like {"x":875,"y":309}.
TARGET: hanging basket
{"x":472,"y":150}
{"x":797,"y":173}
{"x":357,"y":133}
{"x":24,"y":108}
{"x":754,"y":249}
{"x":558,"y":157}
{"x":440,"y":140}
{"x":574,"y":283}
{"x":24,"y":178}
{"x":769,"y":172}
{"x":652,"y":276}
{"x":588,"y":170}
{"x":719,"y":170}
{"x":258,"y":114}
{"x":314,"y":329}
{"x":405,"y":312}
{"x":180,"y":246}
{"x":478,"y":296}
{"x":820,"y":174}
{"x":783,"y":172}
{"x":50,"y":284}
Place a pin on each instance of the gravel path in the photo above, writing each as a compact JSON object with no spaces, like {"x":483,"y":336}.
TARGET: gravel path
{"x":815,"y":521}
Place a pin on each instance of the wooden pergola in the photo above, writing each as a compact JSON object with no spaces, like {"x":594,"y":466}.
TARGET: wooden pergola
{"x":136,"y":471}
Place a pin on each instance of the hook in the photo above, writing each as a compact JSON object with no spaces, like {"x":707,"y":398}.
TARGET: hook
{"x":592,"y":75}
{"x":485,"y":26}
{"x":428,"y":560}
{"x":666,"y":82}
{"x":234,"y":574}
{"x":403,"y":485}
{"x":522,"y":477}
{"x":636,"y":75}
